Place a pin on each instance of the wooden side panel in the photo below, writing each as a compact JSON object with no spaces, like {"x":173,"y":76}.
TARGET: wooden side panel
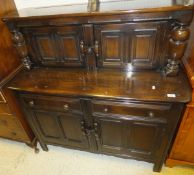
{"x":183,"y":145}
{"x":8,"y":54}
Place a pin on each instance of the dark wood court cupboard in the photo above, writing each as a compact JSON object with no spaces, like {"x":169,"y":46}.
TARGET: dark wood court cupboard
{"x":104,"y":77}
{"x":12,"y":123}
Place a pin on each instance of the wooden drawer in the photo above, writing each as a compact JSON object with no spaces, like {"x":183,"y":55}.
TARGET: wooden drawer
{"x":131,"y":109}
{"x":52,"y":103}
{"x":4,"y":109}
{"x":10,"y":128}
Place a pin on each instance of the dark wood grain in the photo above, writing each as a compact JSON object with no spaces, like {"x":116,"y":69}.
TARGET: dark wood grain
{"x":7,"y":63}
{"x":182,"y":152}
{"x":104,"y":83}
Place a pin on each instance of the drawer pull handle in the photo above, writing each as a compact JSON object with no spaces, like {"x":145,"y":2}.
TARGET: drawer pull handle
{"x":31,"y":103}
{"x":105,"y":109}
{"x":96,"y":130}
{"x":151,"y":114}
{"x":66,"y":107}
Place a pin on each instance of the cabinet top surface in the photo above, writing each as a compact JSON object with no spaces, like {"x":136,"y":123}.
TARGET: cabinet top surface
{"x":110,"y":7}
{"x":146,"y":86}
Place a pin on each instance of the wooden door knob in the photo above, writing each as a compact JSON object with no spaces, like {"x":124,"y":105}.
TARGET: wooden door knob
{"x":66,"y":107}
{"x":31,"y":103}
{"x":105,"y":109}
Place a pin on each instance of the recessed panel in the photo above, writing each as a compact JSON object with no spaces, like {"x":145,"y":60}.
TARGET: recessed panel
{"x":142,"y":137}
{"x":142,"y":47}
{"x":46,"y":49}
{"x":111,"y":133}
{"x":70,"y":49}
{"x":111,"y":48}
{"x":48,"y":124}
{"x":71,"y":127}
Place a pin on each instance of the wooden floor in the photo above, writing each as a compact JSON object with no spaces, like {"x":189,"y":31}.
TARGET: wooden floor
{"x":18,"y":159}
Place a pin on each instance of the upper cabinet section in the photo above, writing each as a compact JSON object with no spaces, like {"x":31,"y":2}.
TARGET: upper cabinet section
{"x":116,"y":34}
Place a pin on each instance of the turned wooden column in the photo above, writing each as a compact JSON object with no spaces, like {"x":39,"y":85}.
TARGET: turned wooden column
{"x":177,"y":45}
{"x":20,"y":44}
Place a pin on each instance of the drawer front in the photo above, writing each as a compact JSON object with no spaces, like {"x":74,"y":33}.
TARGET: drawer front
{"x":11,"y":128}
{"x":52,"y":103}
{"x":4,"y":109}
{"x":131,"y":109}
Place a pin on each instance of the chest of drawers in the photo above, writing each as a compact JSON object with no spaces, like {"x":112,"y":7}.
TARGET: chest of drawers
{"x":12,"y":123}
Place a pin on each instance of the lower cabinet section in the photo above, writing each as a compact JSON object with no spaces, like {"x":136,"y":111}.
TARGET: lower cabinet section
{"x":140,"y":130}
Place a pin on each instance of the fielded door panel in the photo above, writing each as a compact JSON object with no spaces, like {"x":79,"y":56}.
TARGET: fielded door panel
{"x":128,"y":137}
{"x":60,"y":128}
{"x":131,"y":45}
{"x":55,"y":46}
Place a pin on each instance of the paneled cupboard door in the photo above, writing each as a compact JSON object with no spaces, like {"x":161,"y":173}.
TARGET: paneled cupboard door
{"x":128,"y":137}
{"x":60,"y":128}
{"x":131,"y":45}
{"x":56,"y":46}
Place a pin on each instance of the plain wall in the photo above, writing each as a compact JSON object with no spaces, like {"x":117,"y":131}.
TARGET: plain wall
{"x":41,"y":3}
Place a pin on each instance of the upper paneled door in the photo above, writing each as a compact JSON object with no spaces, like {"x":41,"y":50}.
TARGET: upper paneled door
{"x":55,"y":46}
{"x":126,"y":136}
{"x":131,"y":45}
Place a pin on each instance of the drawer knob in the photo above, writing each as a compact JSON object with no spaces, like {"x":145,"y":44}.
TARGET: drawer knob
{"x":66,"y":107}
{"x":31,"y":103}
{"x":151,"y":114}
{"x":105,"y":109}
